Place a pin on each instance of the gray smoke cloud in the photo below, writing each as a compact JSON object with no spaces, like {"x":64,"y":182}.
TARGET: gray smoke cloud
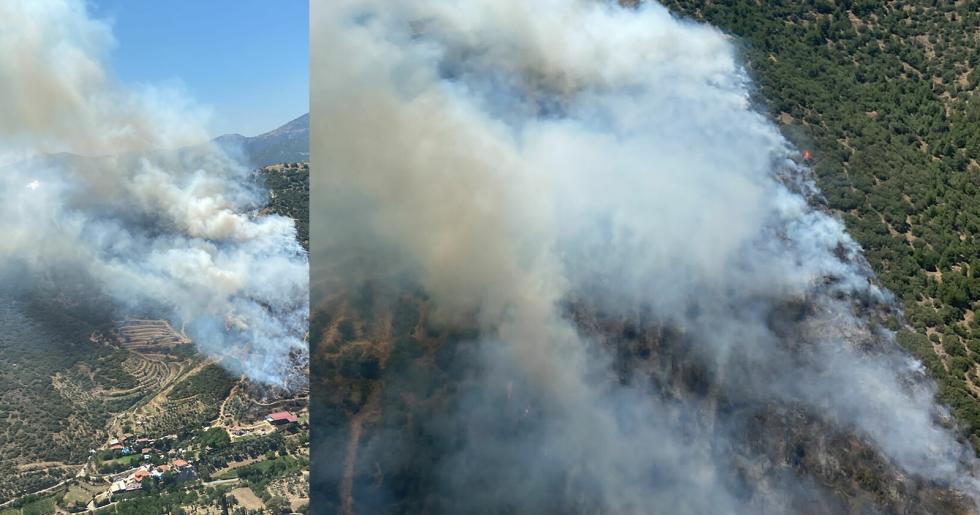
{"x":512,"y":157}
{"x":127,"y":204}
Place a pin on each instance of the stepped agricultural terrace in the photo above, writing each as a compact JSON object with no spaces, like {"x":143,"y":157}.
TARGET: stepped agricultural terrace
{"x":148,"y":334}
{"x":152,"y":373}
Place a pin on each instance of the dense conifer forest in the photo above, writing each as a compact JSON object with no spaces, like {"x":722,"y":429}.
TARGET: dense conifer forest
{"x":884,"y":94}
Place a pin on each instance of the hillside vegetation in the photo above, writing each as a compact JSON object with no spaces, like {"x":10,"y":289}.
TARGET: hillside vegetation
{"x":884,"y":95}
{"x":289,"y":195}
{"x":394,"y":391}
{"x":70,"y":380}
{"x":50,"y":376}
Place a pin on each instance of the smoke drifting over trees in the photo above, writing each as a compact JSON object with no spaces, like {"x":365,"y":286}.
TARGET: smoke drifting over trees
{"x":156,"y":226}
{"x":524,"y":161}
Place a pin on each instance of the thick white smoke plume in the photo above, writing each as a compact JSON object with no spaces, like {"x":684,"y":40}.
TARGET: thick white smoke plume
{"x":157,"y":226}
{"x":514,"y":157}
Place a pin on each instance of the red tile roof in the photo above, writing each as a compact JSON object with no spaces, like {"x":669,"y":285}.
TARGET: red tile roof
{"x":281,"y":416}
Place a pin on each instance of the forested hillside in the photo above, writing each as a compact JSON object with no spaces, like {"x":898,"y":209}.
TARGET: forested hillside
{"x":884,"y":96}
{"x":289,"y":194}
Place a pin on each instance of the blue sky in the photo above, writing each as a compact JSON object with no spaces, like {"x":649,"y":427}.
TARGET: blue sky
{"x":246,"y":59}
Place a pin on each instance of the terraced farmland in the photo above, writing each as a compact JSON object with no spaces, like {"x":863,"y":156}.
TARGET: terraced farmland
{"x":149,"y":335}
{"x":152,"y":373}
{"x":154,"y":364}
{"x":140,"y":377}
{"x":175,"y":404}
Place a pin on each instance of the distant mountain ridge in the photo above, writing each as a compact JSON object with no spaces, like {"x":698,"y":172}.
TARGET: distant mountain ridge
{"x":289,"y":143}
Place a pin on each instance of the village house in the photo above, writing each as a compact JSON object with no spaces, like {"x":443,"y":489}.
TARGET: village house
{"x":124,"y":485}
{"x":281,"y":418}
{"x":159,"y":471}
{"x":140,"y":474}
{"x":118,"y":486}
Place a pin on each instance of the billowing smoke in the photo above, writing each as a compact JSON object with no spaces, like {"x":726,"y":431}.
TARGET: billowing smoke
{"x":119,"y":186}
{"x":525,"y":161}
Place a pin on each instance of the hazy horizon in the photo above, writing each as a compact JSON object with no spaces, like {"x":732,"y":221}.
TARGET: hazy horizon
{"x":244,"y":62}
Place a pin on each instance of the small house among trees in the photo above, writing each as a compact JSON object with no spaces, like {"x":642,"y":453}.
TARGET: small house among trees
{"x":281,"y":418}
